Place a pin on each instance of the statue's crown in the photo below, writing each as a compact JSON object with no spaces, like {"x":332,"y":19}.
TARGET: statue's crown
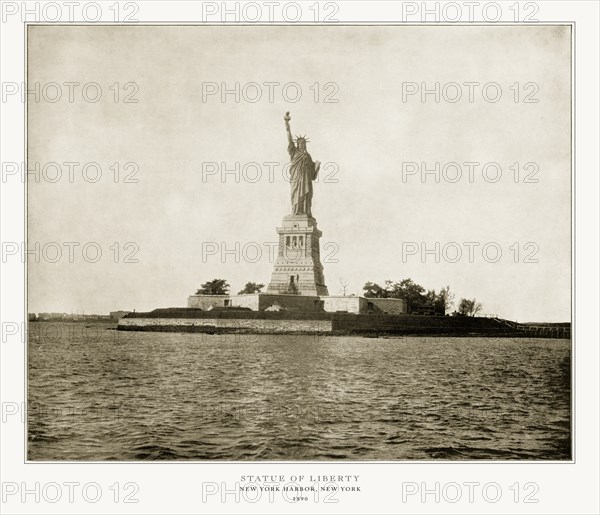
{"x":301,"y":138}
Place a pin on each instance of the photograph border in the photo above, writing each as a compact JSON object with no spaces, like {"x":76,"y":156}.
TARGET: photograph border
{"x":572,"y":461}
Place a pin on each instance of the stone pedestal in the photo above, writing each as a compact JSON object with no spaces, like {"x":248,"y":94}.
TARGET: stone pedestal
{"x":298,"y":269}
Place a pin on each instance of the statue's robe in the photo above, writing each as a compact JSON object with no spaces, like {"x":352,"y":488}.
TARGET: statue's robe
{"x":302,"y":173}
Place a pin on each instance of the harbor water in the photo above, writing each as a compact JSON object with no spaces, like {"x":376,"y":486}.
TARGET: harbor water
{"x":99,"y":394}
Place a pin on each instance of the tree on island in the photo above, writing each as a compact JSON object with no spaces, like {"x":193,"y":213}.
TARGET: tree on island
{"x":214,"y":287}
{"x":446,"y":297}
{"x":441,"y":301}
{"x":411,"y":292}
{"x":373,"y":290}
{"x":469,"y":307}
{"x":251,"y":288}
{"x":415,"y":296}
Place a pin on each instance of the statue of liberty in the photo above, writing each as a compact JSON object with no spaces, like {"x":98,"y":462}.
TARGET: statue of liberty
{"x":302,"y":172}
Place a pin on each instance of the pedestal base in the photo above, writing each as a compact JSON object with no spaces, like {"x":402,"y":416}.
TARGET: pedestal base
{"x":298,"y":269}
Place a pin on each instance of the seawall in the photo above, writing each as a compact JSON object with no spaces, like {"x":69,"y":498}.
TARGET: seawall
{"x":258,"y":322}
{"x":239,"y":325}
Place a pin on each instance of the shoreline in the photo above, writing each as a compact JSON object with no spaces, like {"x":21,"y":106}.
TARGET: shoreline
{"x":363,"y":334}
{"x":186,"y":320}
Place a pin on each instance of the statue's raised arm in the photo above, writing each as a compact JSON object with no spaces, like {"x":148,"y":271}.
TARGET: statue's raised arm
{"x":291,"y":146}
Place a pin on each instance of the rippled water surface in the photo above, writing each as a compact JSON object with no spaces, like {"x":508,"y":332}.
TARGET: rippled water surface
{"x":100,"y":394}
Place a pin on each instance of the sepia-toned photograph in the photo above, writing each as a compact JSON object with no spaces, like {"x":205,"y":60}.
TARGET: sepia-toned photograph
{"x":255,"y":242}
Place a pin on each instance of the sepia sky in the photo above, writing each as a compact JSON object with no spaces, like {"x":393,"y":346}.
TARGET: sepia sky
{"x":368,"y":209}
